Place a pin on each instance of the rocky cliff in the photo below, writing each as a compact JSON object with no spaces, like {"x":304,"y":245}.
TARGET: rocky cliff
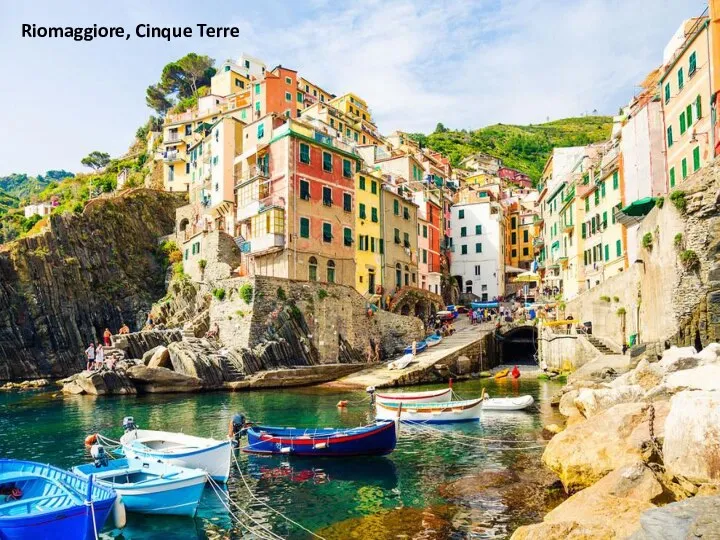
{"x":59,"y":290}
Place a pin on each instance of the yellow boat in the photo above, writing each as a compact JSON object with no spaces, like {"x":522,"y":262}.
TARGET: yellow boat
{"x":502,"y":373}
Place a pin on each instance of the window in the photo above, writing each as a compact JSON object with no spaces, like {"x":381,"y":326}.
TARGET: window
{"x":667,"y":93}
{"x":618,"y":248}
{"x":478,"y":247}
{"x":239,"y":83}
{"x":463,"y":231}
{"x":406,"y":212}
{"x":672,"y":176}
{"x":327,"y":162}
{"x":587,"y":205}
{"x":257,"y":106}
{"x":424,"y":231}
{"x":602,"y":189}
{"x":372,"y":245}
{"x":288,"y":96}
{"x":362,"y":183}
{"x":396,"y":207}
{"x":684,"y":168}
{"x":260,"y":131}
{"x":669,"y":137}
{"x":424,"y":256}
{"x":513,"y":222}
{"x":406,"y":240}
{"x":681,"y":79}
{"x":361,"y":211}
{"x":698,"y":107}
{"x":584,"y":230}
{"x":347,"y":168}
{"x":188,"y":129}
{"x":688,"y":115}
{"x":597,"y":197}
{"x":347,"y":236}
{"x":381,"y":246}
{"x":299,"y":97}
{"x":397,"y":236}
{"x":347,"y":202}
{"x":373,"y":187}
{"x":696,"y":158}
{"x":331,"y":271}
{"x":257,"y":89}
{"x":374,"y":214}
{"x":463,"y":249}
{"x":461,"y":214}
{"x":526,"y":252}
{"x":477,"y":269}
{"x":513,"y":238}
{"x":304,"y":153}
{"x":327,"y":196}
{"x":362,"y":242}
{"x":526,"y":236}
{"x":327,"y":232}
{"x":693,"y":64}
{"x":607,"y":252}
{"x":305,"y":190}
{"x":304,"y":227}
{"x":604,"y":220}
{"x":616,"y":180}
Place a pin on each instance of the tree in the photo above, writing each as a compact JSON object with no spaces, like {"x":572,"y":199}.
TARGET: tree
{"x":440,"y":128}
{"x":157,"y":100}
{"x":186,"y":75}
{"x":96,"y":160}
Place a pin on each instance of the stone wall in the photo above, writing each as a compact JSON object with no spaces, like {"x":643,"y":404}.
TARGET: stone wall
{"x":565,"y":352}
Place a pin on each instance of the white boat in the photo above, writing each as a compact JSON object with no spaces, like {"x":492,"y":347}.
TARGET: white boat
{"x":433,"y":340}
{"x":401,"y":363}
{"x":210,"y":455}
{"x":410,"y":398}
{"x":431,"y":413}
{"x":507,"y":404}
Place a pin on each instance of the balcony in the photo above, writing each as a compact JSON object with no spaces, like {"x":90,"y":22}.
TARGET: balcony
{"x":172,"y":138}
{"x":169,"y":156}
{"x":256,"y":207}
{"x":568,"y":227}
{"x":263,"y":243}
{"x":252,"y":174}
{"x":538,"y":242}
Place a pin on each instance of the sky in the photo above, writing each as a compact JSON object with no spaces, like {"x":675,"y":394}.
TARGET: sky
{"x":465,"y":63}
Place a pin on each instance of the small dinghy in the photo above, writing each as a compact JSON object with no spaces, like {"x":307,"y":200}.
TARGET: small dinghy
{"x":148,"y":487}
{"x":420,"y":346}
{"x":210,"y":455}
{"x":401,"y":363}
{"x":502,"y":374}
{"x":507,"y":404}
{"x":376,"y":439}
{"x":431,"y":413}
{"x":42,"y":502}
{"x":409,"y":398}
{"x":433,"y":340}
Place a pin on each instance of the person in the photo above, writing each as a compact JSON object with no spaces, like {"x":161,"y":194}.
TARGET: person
{"x":124,"y":329}
{"x":149,"y":322}
{"x":414,"y":348}
{"x":473,"y":317}
{"x":90,"y":353}
{"x":99,"y":356}
{"x":377,"y":352}
{"x":569,"y":325}
{"x":237,"y":429}
{"x":515,"y":372}
{"x":106,"y":337}
{"x":369,"y":353}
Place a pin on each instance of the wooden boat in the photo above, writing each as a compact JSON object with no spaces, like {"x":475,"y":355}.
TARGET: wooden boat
{"x":420,"y":346}
{"x":431,"y":413}
{"x":376,"y":439}
{"x":401,"y":363}
{"x":43,"y":502}
{"x":410,"y":398}
{"x":433,"y":340}
{"x":502,"y":373}
{"x":507,"y":404}
{"x":150,"y":487}
{"x":210,"y":455}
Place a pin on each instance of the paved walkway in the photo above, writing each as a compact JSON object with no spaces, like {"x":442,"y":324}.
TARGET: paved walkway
{"x":380,"y":376}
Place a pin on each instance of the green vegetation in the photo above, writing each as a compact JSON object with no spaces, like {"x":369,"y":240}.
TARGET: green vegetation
{"x":96,"y":160}
{"x":647,"y":241}
{"x":678,"y":240}
{"x":202,"y":264}
{"x":605,"y":299}
{"x":660,"y":202}
{"x":246,"y":292}
{"x":219,"y":294}
{"x":621,"y":311}
{"x":525,"y":148}
{"x":181,"y":83}
{"x":679,"y":201}
{"x":616,"y":298}
{"x":322,"y":294}
{"x":689,"y":259}
{"x":281,"y":294}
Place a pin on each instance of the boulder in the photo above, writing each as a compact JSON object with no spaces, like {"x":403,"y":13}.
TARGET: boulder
{"x":567,"y":403}
{"x":99,"y":383}
{"x":586,"y":451}
{"x":592,"y":402}
{"x":616,"y":501}
{"x":602,"y":369}
{"x":691,"y":448}
{"x":160,"y":358}
{"x":697,"y":517}
{"x":710,"y":354}
{"x":147,"y":355}
{"x":565,"y":530}
{"x":201,"y":359}
{"x":677,"y":358}
{"x":645,"y":375}
{"x":703,"y":377}
{"x":162,"y":380}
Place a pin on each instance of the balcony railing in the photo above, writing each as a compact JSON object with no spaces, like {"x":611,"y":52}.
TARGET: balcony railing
{"x":264,"y":243}
{"x":253,"y":173}
{"x":172,"y":137}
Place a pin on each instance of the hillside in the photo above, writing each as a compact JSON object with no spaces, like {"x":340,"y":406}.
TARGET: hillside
{"x":7,"y":202}
{"x":525,"y":148}
{"x":22,"y":186}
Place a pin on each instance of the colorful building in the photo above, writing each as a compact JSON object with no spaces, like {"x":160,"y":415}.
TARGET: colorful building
{"x":399,"y":231}
{"x":312,"y":93}
{"x":369,"y":240}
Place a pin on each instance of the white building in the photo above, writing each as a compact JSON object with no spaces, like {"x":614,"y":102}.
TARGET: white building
{"x":478,"y":246}
{"x":42,"y":209}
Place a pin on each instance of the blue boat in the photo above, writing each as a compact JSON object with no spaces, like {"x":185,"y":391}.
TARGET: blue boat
{"x":43,"y":502}
{"x":150,"y":487}
{"x":420,"y":346}
{"x":376,"y":439}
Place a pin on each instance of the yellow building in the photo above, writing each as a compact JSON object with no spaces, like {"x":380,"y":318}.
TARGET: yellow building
{"x":368,"y":234}
{"x":359,"y":118}
{"x":519,"y":234}
{"x":312,"y":93}
{"x":686,"y":91}
{"x":229,"y":79}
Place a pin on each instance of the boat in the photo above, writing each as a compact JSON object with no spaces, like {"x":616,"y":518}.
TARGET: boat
{"x":433,"y":340}
{"x":375,"y":439}
{"x":431,"y":413}
{"x":210,"y":455}
{"x":502,"y":373}
{"x":428,"y":396}
{"x":149,"y":487}
{"x":402,"y":362}
{"x":507,"y":404}
{"x":43,"y":502}
{"x":420,"y":346}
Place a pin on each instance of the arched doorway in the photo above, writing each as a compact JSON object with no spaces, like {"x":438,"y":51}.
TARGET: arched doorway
{"x":398,"y":276}
{"x":519,"y":346}
{"x":184,"y":222}
{"x":312,"y":269}
{"x":405,"y":309}
{"x":371,"y":280}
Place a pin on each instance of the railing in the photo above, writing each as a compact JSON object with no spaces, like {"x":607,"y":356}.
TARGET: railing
{"x":263,"y":243}
{"x":172,"y":137}
{"x":253,"y":173}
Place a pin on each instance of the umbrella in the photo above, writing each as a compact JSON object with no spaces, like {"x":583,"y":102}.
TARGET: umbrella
{"x":527,"y":277}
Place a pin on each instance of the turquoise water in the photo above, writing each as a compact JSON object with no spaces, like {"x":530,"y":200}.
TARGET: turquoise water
{"x":358,"y":498}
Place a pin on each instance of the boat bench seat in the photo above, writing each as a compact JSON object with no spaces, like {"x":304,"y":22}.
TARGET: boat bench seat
{"x":5,"y":507}
{"x":8,"y":477}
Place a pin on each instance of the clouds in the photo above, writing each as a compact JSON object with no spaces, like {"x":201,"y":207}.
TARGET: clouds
{"x":466,"y":63}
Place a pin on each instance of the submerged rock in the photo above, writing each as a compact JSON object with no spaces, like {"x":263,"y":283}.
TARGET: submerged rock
{"x":564,"y":530}
{"x":473,"y":486}
{"x":25,"y":385}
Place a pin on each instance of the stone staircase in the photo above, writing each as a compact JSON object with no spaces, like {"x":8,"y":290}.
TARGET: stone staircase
{"x":601,"y":346}
{"x":113,"y":354}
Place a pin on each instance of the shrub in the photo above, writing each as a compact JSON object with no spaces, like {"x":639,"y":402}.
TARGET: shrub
{"x":202,"y":264}
{"x":322,"y":294}
{"x":659,"y":202}
{"x":177,"y":269}
{"x":621,"y":311}
{"x":219,"y":294}
{"x":647,"y":241}
{"x":175,"y":256}
{"x":281,"y":294}
{"x":605,"y":298}
{"x":677,"y":241}
{"x":246,"y":292}
{"x":679,"y":201}
{"x":689,"y":259}
{"x":616,"y":299}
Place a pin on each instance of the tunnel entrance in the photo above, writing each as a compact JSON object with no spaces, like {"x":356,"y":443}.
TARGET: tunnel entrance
{"x":519,"y":346}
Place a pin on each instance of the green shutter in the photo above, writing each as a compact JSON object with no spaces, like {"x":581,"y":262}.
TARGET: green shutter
{"x":396,"y":207}
{"x":698,"y":107}
{"x":347,"y":237}
{"x":696,"y":158}
{"x":669,"y":137}
{"x":684,"y":168}
{"x":584,"y":232}
{"x":682,"y":123}
{"x":602,"y":189}
{"x":362,"y":183}
{"x":688,"y":116}
{"x":618,"y":248}
{"x":327,"y":232}
{"x":667,"y":92}
{"x":616,"y":180}
{"x":693,"y":64}
{"x":373,"y":187}
{"x":607,"y":252}
{"x":374,"y":213}
{"x":304,"y":153}
{"x":362,"y":211}
{"x":587,"y":204}
{"x":681,"y":79}
{"x":672,"y":176}
{"x":304,"y":228}
{"x":327,"y":161}
{"x":347,"y":168}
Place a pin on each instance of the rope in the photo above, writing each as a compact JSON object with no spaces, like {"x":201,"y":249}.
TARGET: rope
{"x":242,"y":476}
{"x":529,"y":445}
{"x":219,"y":493}
{"x":92,"y":512}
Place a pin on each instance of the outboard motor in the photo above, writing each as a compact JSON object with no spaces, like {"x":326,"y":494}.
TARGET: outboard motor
{"x":238,"y":429}
{"x":129,"y":424}
{"x":100,"y":457}
{"x":371,"y":390}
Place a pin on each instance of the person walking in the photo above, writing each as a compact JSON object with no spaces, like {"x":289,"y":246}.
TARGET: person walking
{"x":99,"y":356}
{"x":414,"y":348}
{"x":106,"y":337}
{"x":473,"y":317}
{"x":377,"y":352}
{"x":90,"y":354}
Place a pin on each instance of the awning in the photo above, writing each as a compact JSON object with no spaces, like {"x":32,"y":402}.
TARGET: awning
{"x":527,"y":277}
{"x":482,"y":305}
{"x":513,"y":270}
{"x":640,"y":207}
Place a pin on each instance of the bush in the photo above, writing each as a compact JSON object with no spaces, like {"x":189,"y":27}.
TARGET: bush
{"x":246,"y":293}
{"x":621,"y":311}
{"x":281,"y":294}
{"x":659,"y":202}
{"x":178,"y":269}
{"x":175,"y":256}
{"x":616,"y":299}
{"x":677,"y":241}
{"x":219,"y":294}
{"x":605,"y":298}
{"x":647,"y":241}
{"x":679,"y":201}
{"x":202,"y":264}
{"x":322,"y":294}
{"x":689,"y":259}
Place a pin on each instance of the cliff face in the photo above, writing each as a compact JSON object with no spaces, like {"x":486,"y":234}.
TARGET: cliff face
{"x":61,"y":289}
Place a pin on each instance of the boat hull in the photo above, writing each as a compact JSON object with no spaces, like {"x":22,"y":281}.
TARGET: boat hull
{"x":432,"y":413}
{"x":419,"y":347}
{"x":52,"y":520}
{"x":375,"y":440}
{"x":408,"y":398}
{"x":508,"y":404}
{"x":212,"y":456}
